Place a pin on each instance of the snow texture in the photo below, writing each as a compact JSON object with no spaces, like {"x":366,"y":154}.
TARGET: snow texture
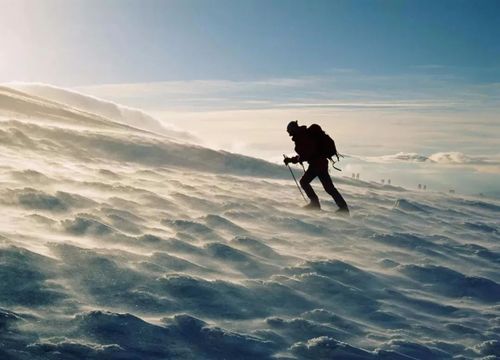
{"x":121,"y":243}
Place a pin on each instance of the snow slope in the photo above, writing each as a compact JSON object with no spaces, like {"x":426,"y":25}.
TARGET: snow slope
{"x":119,"y":243}
{"x":107,"y":109}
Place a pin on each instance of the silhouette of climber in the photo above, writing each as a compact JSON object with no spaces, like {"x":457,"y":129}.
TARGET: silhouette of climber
{"x":308,"y":149}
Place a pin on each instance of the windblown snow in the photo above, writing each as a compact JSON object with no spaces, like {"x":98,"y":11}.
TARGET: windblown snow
{"x":126,"y":243}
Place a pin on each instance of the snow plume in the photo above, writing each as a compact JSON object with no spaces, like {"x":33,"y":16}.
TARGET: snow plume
{"x":106,"y":140}
{"x":116,"y":243}
{"x":107,"y":109}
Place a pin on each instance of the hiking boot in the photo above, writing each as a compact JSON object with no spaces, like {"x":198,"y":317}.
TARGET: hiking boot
{"x":312,"y":206}
{"x":343,"y":211}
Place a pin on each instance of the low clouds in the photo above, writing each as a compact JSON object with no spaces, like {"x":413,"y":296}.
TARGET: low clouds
{"x":460,"y":158}
{"x":338,"y":88}
{"x":440,"y":171}
{"x":443,"y":158}
{"x":442,"y":161}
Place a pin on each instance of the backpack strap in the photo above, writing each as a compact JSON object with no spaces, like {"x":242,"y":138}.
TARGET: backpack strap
{"x":333,"y":164}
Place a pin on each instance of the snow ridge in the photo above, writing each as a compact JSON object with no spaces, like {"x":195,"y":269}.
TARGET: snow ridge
{"x":121,"y":243}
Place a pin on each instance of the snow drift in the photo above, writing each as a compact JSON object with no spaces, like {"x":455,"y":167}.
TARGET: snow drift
{"x":106,"y":109}
{"x":119,"y":242}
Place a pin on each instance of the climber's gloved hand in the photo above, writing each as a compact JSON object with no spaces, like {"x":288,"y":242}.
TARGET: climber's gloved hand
{"x":293,"y":160}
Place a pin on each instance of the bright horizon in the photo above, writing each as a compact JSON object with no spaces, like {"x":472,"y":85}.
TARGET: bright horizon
{"x":383,"y":77}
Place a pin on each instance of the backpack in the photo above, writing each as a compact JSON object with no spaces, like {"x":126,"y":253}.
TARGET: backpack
{"x":325,"y":143}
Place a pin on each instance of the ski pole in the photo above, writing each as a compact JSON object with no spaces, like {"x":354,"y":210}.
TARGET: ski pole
{"x":296,"y":183}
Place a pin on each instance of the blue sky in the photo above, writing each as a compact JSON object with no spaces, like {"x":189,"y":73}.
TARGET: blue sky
{"x":114,"y":41}
{"x":384,"y":76}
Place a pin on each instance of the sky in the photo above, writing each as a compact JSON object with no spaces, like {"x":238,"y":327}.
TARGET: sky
{"x":384,"y":76}
{"x":116,"y":41}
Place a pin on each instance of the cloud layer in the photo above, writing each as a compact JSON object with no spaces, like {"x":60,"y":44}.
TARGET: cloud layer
{"x":444,"y":158}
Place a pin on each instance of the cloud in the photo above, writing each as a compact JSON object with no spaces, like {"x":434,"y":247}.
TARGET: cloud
{"x":430,"y":89}
{"x":348,"y":89}
{"x":443,"y":158}
{"x":401,"y":156}
{"x":408,"y":105}
{"x":455,"y":158}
